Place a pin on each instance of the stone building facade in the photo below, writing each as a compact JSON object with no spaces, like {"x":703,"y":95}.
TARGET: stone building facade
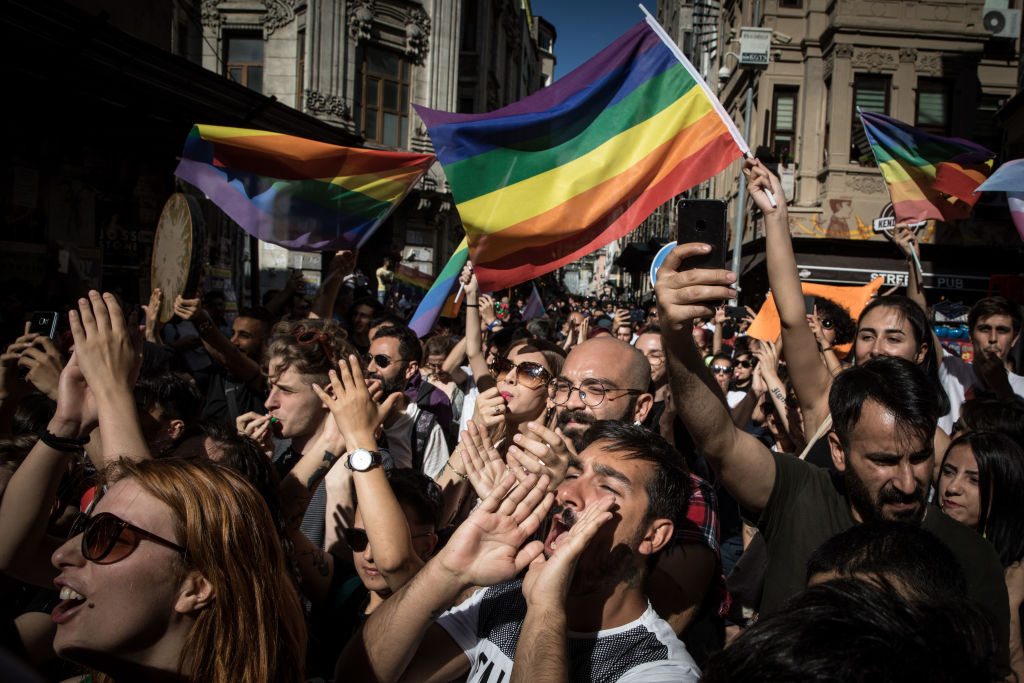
{"x":932,"y":64}
{"x":362,"y":64}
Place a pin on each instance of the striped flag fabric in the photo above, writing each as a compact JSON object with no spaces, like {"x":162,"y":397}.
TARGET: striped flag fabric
{"x":444,"y":288}
{"x":298,"y":193}
{"x":534,"y":305}
{"x":928,"y":177}
{"x":565,"y":171}
{"x":411,"y":280}
{"x":1009,"y":178}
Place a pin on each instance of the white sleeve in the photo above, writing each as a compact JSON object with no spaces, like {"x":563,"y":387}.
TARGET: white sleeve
{"x":461,"y":622}
{"x":658,"y":672}
{"x":435,"y":454}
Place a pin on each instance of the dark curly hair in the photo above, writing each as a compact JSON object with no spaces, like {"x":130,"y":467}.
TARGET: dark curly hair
{"x":842,"y":323}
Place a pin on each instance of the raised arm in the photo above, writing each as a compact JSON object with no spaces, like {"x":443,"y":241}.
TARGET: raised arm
{"x":400,"y":639}
{"x":744,"y":464}
{"x":25,"y":547}
{"x":474,"y":338}
{"x":357,"y":417}
{"x":811,"y":379}
{"x":217,"y":345}
{"x":109,"y":355}
{"x":342,"y":265}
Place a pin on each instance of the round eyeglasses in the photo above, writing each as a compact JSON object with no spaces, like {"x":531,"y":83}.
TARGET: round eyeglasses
{"x":592,"y":391}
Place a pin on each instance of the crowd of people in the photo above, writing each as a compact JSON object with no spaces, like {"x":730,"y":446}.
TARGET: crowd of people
{"x":606,"y":492}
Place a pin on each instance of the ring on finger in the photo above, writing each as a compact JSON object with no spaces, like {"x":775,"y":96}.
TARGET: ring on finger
{"x":497,"y":410}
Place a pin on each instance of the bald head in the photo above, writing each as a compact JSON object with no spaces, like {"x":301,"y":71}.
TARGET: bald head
{"x":609,"y":357}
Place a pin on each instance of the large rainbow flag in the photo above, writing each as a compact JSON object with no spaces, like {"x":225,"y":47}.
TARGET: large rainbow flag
{"x":563,"y":172}
{"x":441,"y":293}
{"x":928,"y":177}
{"x":412,"y":281}
{"x":298,"y":193}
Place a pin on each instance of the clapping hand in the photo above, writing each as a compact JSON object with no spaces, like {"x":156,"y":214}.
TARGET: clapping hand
{"x":542,"y":451}
{"x":108,"y":353}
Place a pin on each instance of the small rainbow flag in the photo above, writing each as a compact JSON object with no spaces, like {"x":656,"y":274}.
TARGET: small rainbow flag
{"x":415,"y":280}
{"x":441,"y":293}
{"x":928,"y":177}
{"x":563,"y":172}
{"x":298,"y":193}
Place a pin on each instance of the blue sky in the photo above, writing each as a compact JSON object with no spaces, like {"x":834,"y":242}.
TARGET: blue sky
{"x":585,"y":27}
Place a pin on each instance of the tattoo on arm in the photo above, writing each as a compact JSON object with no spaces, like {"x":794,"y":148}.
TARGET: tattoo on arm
{"x":777,"y":393}
{"x":321,"y":472}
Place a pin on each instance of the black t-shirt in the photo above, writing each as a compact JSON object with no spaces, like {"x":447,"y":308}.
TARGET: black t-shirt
{"x":808,"y":505}
{"x":227,"y":397}
{"x":334,"y":621}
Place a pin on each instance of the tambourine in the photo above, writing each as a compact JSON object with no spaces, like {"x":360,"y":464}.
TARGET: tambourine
{"x":177,"y":262}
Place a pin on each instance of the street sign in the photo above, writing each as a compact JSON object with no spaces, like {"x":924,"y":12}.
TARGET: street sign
{"x":659,"y":258}
{"x":755,"y":44}
{"x":887,"y":221}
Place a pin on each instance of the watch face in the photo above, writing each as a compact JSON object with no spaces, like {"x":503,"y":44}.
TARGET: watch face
{"x":360,"y":459}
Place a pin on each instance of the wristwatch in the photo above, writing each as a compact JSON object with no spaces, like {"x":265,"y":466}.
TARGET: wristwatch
{"x":362,"y":460}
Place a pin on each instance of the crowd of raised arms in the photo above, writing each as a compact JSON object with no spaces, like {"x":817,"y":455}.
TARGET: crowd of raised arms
{"x":606,"y":492}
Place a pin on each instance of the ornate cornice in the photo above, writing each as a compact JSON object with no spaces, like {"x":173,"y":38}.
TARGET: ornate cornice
{"x":332,"y":105}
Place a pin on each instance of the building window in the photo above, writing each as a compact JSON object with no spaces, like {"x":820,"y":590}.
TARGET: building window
{"x":783,"y":136}
{"x":382,"y":111}
{"x":791,"y":4}
{"x":932,"y":106}
{"x":244,"y":62}
{"x":986,"y":133}
{"x":870,"y":93}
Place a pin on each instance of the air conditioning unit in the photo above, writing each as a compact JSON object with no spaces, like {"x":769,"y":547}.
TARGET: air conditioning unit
{"x":1002,"y":23}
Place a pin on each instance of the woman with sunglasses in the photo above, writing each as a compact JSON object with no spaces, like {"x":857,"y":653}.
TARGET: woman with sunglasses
{"x":178,"y":574}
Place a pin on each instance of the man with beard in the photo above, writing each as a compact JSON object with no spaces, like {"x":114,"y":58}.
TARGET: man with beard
{"x":415,"y":429}
{"x":602,"y":379}
{"x":579,"y":612}
{"x":884,"y":414}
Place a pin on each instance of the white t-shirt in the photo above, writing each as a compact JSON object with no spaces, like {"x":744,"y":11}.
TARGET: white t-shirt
{"x":399,"y":434}
{"x":487,"y":628}
{"x":733,"y":398}
{"x":958,"y":379}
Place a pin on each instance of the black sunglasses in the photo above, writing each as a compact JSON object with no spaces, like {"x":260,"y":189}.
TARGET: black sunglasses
{"x":528,"y":373}
{"x":357,"y":540}
{"x":106,"y":538}
{"x":720,"y":369}
{"x":745,"y":363}
{"x":381,"y":360}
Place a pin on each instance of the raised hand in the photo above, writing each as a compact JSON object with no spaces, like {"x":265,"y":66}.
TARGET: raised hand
{"x":490,"y":413}
{"x":258,"y":428}
{"x":107,"y":352}
{"x":189,"y":309}
{"x":484,"y":465}
{"x":152,"y":311}
{"x":684,"y":296}
{"x":76,"y":402}
{"x":904,"y":238}
{"x":354,"y":411}
{"x":44,"y":364}
{"x":760,"y":179}
{"x":487,"y":315}
{"x":488,"y":548}
{"x":542,"y":451}
{"x":548,"y":579}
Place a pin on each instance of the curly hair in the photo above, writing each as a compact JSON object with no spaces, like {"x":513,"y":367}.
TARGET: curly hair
{"x":314,"y":358}
{"x":842,"y":323}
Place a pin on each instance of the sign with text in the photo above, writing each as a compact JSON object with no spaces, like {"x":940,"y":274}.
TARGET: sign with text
{"x":755,"y":43}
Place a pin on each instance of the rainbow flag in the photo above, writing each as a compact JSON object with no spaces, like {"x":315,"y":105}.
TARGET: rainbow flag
{"x":563,"y":172}
{"x":413,"y":281}
{"x":442,"y":291}
{"x":1009,"y":178}
{"x":928,"y":177}
{"x":298,"y":193}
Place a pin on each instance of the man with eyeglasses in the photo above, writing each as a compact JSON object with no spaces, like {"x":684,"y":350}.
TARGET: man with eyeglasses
{"x":418,"y":429}
{"x":602,"y":379}
{"x":648,"y":342}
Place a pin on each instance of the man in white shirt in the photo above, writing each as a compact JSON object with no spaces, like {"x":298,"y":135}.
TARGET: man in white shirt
{"x":994,"y":323}
{"x":578,"y":614}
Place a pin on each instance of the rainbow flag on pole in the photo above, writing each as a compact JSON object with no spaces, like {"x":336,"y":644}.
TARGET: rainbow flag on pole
{"x":413,"y":281}
{"x":928,"y":177}
{"x":298,"y":193}
{"x":565,"y":171}
{"x":441,"y":293}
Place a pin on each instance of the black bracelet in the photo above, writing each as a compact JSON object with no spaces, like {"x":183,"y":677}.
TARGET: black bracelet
{"x":472,"y":305}
{"x":59,"y":443}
